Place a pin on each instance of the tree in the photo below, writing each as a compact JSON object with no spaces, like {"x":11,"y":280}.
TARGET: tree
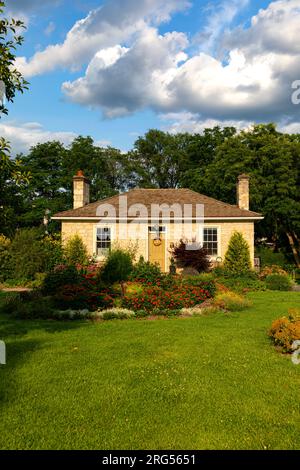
{"x":45,"y":163}
{"x":13,"y":178}
{"x":75,"y":251}
{"x":27,"y":257}
{"x":9,"y":40}
{"x":237,"y":258}
{"x":272,"y":160}
{"x":11,"y":81}
{"x":117,"y":268}
{"x":187,"y":256}
{"x":160,"y":158}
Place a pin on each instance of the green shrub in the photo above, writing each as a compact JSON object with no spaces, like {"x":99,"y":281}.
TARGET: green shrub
{"x":60,"y":276}
{"x":279,"y":282}
{"x":5,"y":258}
{"x":232,"y":302}
{"x":38,"y":281}
{"x":30,"y":309}
{"x":75,"y":251}
{"x":146,"y":272}
{"x":53,"y":251}
{"x":242,"y":283}
{"x":118,"y":267}
{"x":237,"y":259}
{"x":202,"y":281}
{"x":11,"y":303}
{"x":27,"y":254}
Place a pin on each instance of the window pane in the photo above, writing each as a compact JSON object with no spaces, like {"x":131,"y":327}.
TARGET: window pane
{"x":103,"y":241}
{"x":210,"y":240}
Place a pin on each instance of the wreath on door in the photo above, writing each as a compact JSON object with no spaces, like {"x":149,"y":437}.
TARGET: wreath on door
{"x":157,"y":242}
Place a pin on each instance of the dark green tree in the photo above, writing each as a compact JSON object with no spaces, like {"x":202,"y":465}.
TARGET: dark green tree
{"x":160,"y":159}
{"x":237,"y":258}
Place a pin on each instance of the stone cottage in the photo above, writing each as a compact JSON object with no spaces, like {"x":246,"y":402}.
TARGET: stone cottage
{"x":151,"y":221}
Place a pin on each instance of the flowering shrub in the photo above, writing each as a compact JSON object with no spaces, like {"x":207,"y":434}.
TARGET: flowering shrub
{"x":113,"y":314}
{"x":232,"y":301}
{"x":285,"y":331}
{"x":202,"y":281}
{"x":155,"y":298}
{"x":82,"y":297}
{"x":274,"y":269}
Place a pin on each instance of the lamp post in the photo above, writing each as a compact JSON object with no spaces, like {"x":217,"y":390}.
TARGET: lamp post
{"x":46,"y":220}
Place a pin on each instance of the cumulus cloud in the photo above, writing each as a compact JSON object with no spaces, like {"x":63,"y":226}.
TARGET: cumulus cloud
{"x":123,"y":80}
{"x":22,"y":136}
{"x":254,"y":83}
{"x":111,"y":24}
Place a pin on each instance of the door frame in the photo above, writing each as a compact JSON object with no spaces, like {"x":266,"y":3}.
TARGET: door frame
{"x":166,"y":243}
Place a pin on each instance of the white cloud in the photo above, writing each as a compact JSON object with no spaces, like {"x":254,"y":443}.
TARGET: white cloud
{"x":113,"y":23}
{"x":124,"y":80}
{"x":194,"y":124}
{"x":22,"y":136}
{"x":155,"y":72}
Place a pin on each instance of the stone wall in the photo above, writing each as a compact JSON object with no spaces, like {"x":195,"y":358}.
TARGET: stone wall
{"x":139,"y":243}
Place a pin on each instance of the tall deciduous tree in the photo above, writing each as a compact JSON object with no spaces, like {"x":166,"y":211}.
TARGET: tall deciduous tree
{"x":12,"y":175}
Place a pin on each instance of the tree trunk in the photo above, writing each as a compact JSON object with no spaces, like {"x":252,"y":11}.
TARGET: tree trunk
{"x":294,"y":248}
{"x":123,"y":288}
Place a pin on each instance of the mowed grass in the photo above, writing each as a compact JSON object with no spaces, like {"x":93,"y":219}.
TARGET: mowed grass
{"x":200,"y":383}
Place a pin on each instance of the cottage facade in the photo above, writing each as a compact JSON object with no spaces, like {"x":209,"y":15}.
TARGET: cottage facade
{"x":151,"y":221}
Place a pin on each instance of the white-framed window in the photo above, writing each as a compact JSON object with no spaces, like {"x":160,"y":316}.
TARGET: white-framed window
{"x":211,"y":240}
{"x":103,"y":241}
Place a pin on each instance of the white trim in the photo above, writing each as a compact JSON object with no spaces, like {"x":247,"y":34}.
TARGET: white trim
{"x":112,"y":236}
{"x":219,"y":235}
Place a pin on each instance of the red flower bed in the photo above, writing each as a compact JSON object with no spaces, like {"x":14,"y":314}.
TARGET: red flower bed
{"x":155,"y":298}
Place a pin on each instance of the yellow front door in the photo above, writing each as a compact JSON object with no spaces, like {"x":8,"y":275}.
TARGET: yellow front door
{"x":157,"y":249}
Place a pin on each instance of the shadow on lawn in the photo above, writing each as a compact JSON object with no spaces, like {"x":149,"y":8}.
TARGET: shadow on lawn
{"x":16,"y":353}
{"x":16,"y":327}
{"x":19,"y":348}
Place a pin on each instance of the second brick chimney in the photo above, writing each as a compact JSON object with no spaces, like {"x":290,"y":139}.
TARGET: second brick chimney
{"x":243,"y":192}
{"x":81,"y":190}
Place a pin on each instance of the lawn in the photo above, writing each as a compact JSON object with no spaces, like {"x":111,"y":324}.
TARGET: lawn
{"x":200,"y":383}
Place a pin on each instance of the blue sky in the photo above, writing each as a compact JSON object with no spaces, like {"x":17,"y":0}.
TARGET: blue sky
{"x":176,"y":65}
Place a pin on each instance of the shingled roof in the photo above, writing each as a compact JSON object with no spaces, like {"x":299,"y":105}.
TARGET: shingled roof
{"x":212,"y":207}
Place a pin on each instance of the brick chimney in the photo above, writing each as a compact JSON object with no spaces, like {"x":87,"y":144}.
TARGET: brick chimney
{"x":243,"y":192}
{"x":81,"y":190}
